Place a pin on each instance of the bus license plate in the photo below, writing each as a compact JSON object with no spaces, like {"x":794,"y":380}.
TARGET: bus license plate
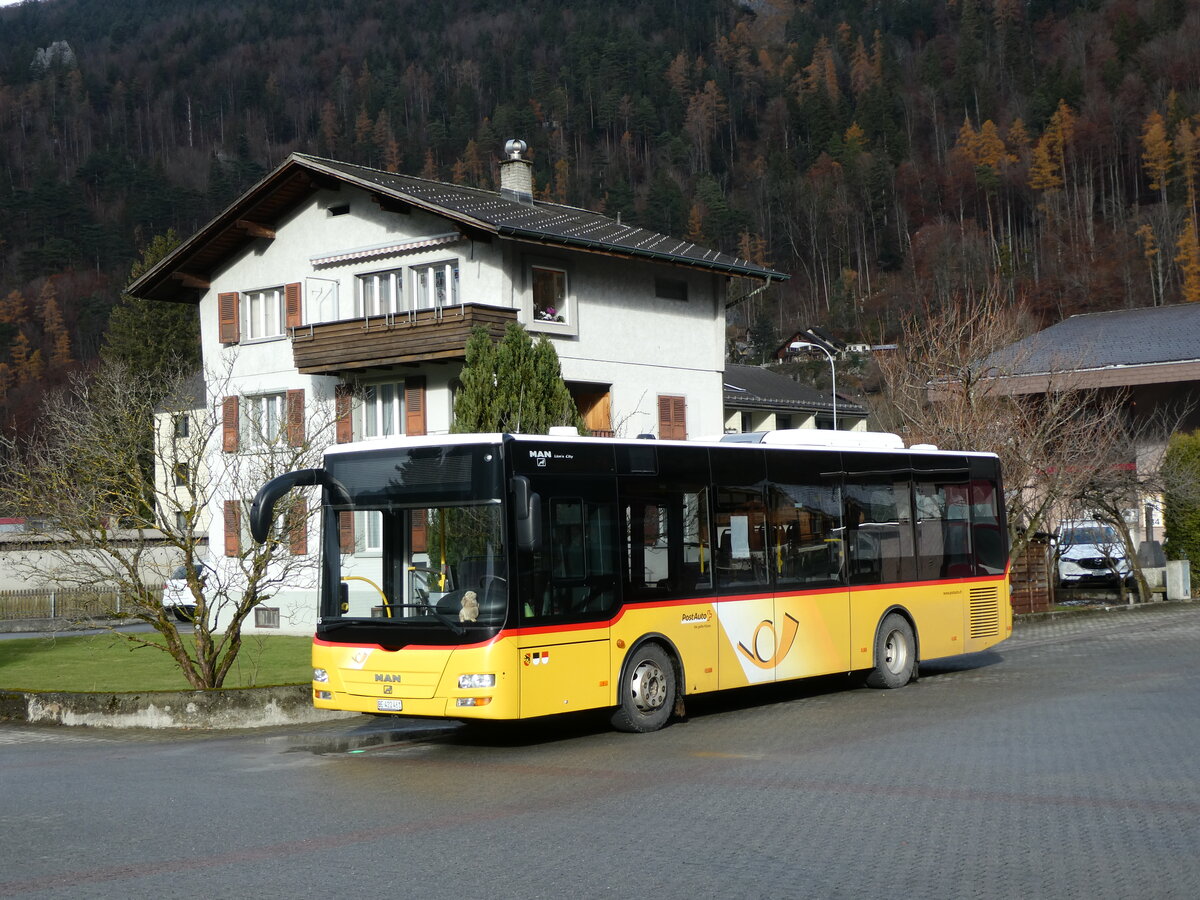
{"x":389,"y":705}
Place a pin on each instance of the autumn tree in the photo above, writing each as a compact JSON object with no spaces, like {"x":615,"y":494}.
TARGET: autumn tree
{"x":947,"y":384}
{"x":55,"y":333}
{"x":1188,"y":260}
{"x":1157,"y":157}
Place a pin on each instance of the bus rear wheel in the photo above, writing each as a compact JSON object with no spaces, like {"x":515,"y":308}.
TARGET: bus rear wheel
{"x":647,"y":690}
{"x":895,"y":654}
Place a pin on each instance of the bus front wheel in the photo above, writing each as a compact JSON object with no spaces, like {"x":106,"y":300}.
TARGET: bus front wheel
{"x":895,"y":654}
{"x":647,"y":690}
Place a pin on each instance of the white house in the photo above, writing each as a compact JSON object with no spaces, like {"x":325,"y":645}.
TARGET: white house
{"x":331,"y":283}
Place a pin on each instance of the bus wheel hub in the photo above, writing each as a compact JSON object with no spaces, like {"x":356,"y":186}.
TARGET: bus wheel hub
{"x":649,"y":687}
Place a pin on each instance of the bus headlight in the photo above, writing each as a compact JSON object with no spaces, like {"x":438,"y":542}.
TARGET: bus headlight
{"x":470,"y":682}
{"x":320,"y":676}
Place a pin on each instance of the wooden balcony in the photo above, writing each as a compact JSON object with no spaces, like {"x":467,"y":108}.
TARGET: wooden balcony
{"x":427,"y":335}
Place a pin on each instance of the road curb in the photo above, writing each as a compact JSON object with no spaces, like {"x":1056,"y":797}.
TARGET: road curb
{"x":1100,"y":609}
{"x":223,"y":709}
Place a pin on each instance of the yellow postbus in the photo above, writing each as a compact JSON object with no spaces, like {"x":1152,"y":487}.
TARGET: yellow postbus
{"x":509,"y":577}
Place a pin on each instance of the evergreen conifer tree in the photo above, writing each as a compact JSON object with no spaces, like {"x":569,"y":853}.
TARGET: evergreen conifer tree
{"x":513,"y":386}
{"x":150,"y":336}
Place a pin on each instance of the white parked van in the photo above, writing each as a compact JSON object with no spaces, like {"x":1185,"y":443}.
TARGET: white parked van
{"x":1090,"y":553}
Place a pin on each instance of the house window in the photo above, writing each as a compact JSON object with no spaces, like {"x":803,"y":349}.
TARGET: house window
{"x":181,"y":474}
{"x":782,"y":422}
{"x":181,"y":522}
{"x":263,"y":313}
{"x":549,"y":294}
{"x":435,"y":286}
{"x":181,"y":426}
{"x":380,"y":293}
{"x":266,"y":617}
{"x":262,"y":420}
{"x":381,"y":411}
{"x":368,"y":531}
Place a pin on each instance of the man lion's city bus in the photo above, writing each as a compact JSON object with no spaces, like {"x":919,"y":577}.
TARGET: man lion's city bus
{"x":509,"y":576}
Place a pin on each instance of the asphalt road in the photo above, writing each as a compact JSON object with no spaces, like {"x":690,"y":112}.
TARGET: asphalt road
{"x":1062,"y":764}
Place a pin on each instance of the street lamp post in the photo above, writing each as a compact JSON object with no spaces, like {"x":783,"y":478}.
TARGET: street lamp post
{"x":796,"y":345}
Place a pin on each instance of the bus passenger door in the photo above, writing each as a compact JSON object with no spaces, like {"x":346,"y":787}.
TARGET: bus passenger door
{"x":746,"y":608}
{"x":807,"y":555}
{"x":567,"y":601}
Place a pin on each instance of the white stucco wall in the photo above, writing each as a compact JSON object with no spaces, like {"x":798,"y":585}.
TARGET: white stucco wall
{"x":619,"y":333}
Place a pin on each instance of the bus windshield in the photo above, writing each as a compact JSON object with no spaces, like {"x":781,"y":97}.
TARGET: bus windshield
{"x":416,"y":540}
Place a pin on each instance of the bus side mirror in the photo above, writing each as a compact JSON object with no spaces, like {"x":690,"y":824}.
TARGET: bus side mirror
{"x":262,"y":511}
{"x":527,"y":513}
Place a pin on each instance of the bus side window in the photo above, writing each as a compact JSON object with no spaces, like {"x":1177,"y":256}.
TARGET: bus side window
{"x":740,"y":522}
{"x":879,"y":529}
{"x":946,"y":538}
{"x":987,"y":535}
{"x":666,"y":549}
{"x":806,"y":534}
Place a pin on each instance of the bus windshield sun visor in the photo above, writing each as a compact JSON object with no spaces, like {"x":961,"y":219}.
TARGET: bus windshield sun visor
{"x":262,"y":511}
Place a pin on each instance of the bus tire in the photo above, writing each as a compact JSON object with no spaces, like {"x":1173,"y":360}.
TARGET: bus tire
{"x":646,"y":693}
{"x":895,"y":653}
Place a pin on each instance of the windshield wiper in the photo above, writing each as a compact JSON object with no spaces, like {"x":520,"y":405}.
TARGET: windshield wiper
{"x":433,"y":610}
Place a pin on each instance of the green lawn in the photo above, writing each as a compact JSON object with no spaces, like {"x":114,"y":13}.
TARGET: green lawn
{"x":109,"y":662}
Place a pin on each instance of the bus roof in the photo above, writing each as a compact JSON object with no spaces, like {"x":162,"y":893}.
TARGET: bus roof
{"x":811,"y":438}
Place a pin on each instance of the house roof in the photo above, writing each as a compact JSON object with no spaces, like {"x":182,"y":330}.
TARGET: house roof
{"x":186,"y":271}
{"x":753,"y":387}
{"x":1106,"y":349}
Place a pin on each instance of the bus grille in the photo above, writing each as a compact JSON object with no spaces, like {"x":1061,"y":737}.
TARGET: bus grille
{"x":985,"y":612}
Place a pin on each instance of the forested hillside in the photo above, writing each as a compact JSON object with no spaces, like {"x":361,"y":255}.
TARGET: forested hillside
{"x":884,"y":153}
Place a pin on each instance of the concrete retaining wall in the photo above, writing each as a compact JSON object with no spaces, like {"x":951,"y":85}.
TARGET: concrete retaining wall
{"x":236,"y":708}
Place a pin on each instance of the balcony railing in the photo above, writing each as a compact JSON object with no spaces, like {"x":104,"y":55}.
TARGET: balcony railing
{"x":394,"y":339}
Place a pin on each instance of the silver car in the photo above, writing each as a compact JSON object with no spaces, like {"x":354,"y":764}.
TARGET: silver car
{"x":1091,"y":553}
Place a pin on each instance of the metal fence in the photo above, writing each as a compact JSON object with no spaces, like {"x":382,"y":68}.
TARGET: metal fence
{"x":60,"y":603}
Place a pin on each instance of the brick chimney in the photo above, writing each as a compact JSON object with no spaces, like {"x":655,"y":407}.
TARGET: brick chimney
{"x":516,"y":173}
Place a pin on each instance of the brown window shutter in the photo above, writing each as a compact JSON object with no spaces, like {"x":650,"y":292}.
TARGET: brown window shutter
{"x":233,"y":528}
{"x":672,"y":418}
{"x":229,"y":317}
{"x":292,"y":306}
{"x":414,"y":405}
{"x":295,"y":418}
{"x":344,"y":426}
{"x":420,"y":530}
{"x":229,"y":424}
{"x":298,"y":527}
{"x":346,"y":531}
